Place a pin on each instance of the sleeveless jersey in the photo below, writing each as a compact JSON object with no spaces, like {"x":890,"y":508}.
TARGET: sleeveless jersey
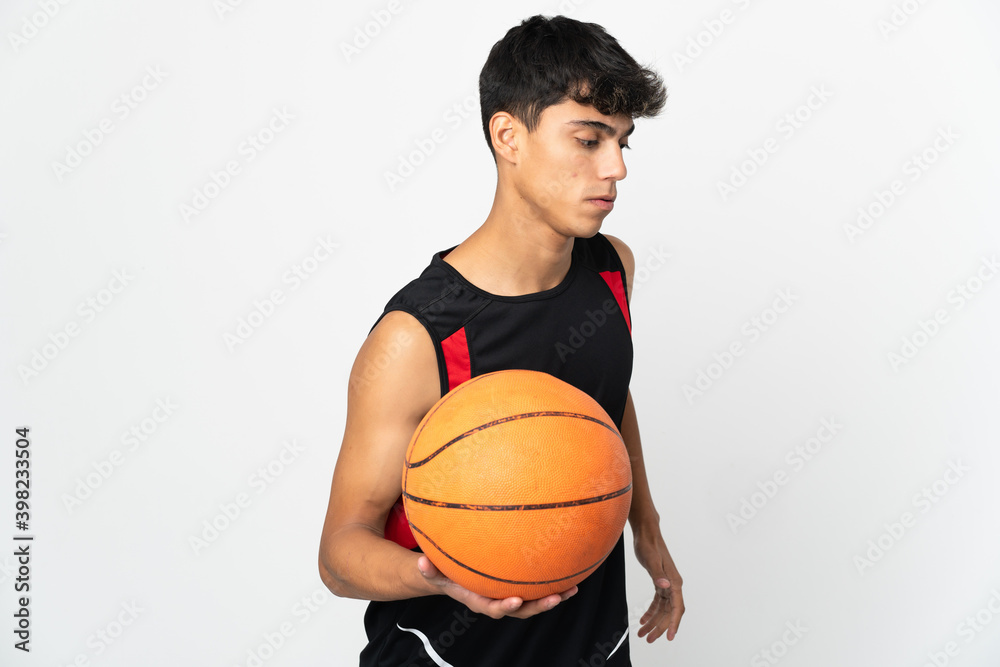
{"x":578,"y":331}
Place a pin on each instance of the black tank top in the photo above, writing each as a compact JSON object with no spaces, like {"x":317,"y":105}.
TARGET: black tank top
{"x":578,"y":331}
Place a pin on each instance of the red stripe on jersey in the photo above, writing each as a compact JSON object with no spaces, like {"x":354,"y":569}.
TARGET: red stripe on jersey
{"x":456,"y":358}
{"x":614,"y":281}
{"x":397,"y":528}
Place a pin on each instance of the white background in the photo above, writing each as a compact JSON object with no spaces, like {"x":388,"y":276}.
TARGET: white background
{"x":189,"y":282}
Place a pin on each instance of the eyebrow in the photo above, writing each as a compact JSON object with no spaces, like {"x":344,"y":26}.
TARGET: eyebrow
{"x":603,"y":128}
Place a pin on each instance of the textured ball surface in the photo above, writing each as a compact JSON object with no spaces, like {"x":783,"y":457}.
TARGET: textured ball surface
{"x":517,"y":484}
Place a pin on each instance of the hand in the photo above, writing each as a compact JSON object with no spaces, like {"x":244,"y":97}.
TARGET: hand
{"x":665,"y":611}
{"x":513,"y":606}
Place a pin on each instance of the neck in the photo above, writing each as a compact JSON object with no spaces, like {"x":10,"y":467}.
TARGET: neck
{"x":513,"y":252}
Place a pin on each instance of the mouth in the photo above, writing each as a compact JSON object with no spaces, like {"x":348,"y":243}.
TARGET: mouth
{"x":604,"y":203}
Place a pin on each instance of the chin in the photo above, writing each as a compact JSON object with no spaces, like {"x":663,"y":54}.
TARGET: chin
{"x":592,"y":224}
{"x":587,"y":229}
{"x":580,"y":226}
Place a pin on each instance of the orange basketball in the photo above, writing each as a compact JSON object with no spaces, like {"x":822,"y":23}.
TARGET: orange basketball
{"x":517,"y":484}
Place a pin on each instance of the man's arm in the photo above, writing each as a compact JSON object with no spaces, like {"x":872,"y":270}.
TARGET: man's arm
{"x":393,"y":383}
{"x":643,"y":516}
{"x":665,"y":611}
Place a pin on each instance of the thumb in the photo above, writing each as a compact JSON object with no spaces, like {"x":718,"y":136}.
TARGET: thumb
{"x":426,"y":567}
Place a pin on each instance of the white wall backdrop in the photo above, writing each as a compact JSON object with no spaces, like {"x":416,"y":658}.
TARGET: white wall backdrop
{"x":197,"y":231}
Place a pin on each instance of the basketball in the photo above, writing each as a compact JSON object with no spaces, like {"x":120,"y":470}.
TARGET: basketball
{"x":516,"y":483}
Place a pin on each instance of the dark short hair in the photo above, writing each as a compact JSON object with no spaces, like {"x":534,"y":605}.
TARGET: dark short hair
{"x":545,"y":61}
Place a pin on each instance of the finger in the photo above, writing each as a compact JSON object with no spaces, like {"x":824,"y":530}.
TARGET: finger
{"x":649,"y":629}
{"x":648,"y":620}
{"x":655,"y":623}
{"x":494,"y":608}
{"x":666,"y":619}
{"x":657,"y":632}
{"x":516,"y":606}
{"x":426,"y":567}
{"x":656,"y":603}
{"x":533,"y":607}
{"x":654,"y":607}
{"x":675,"y":619}
{"x":649,"y":612}
{"x":656,"y":626}
{"x":660,"y":606}
{"x":511,"y":605}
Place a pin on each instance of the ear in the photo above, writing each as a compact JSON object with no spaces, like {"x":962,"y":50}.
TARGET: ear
{"x":504,"y":129}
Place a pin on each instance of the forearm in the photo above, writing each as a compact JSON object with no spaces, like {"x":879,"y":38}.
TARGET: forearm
{"x":642,"y":515}
{"x":358,"y":563}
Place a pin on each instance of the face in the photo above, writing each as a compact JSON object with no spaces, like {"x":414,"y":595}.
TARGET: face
{"x":567,"y":170}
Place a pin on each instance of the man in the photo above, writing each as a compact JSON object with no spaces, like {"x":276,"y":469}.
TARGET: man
{"x":558,"y":97}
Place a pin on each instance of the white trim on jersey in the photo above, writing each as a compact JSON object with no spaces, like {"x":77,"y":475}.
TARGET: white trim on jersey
{"x":438,"y":660}
{"x":618,"y":644}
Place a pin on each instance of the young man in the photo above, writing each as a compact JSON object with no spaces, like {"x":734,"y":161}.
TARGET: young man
{"x":558,"y":97}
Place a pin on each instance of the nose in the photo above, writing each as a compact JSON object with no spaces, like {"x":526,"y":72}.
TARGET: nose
{"x":613,"y":166}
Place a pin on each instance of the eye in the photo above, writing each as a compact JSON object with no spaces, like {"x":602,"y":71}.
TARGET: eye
{"x":592,"y":143}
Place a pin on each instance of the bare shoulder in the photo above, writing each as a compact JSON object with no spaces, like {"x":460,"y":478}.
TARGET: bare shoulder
{"x":397,"y":358}
{"x":624,"y":252}
{"x":627,"y":258}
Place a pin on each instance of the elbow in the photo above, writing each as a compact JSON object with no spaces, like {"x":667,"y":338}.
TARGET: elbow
{"x":328,"y":573}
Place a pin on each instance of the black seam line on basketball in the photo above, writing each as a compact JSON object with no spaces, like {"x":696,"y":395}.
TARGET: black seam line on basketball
{"x":440,"y":403}
{"x":516,"y":508}
{"x":510,"y":581}
{"x":523,"y":415}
